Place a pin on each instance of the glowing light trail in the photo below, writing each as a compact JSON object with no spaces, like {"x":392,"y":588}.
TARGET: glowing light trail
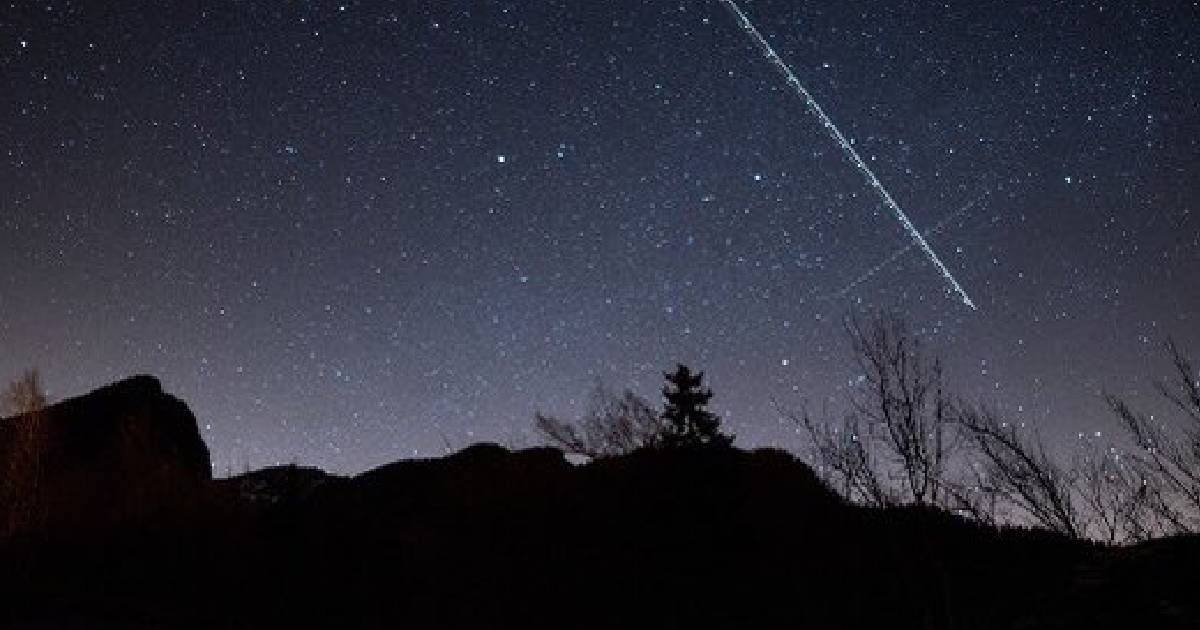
{"x":847,"y":148}
{"x":904,"y":250}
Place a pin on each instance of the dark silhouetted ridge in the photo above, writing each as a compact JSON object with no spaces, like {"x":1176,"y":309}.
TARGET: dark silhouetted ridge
{"x":704,"y":536}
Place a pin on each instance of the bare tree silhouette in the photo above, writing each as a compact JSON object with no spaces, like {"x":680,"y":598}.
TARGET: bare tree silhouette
{"x":896,"y":444}
{"x":1168,"y":457}
{"x":612,"y":425}
{"x":846,"y":459}
{"x":20,"y":490}
{"x":906,"y":440}
{"x":1115,"y":495}
{"x":24,"y":395}
{"x":1020,"y":472}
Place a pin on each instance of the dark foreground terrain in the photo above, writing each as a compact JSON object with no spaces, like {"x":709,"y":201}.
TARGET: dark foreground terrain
{"x":125,"y":529}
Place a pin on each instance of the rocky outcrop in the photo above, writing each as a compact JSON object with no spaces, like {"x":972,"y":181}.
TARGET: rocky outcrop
{"x":123,"y":452}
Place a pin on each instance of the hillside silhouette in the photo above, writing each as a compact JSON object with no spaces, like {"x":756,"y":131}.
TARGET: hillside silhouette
{"x":128,"y":530}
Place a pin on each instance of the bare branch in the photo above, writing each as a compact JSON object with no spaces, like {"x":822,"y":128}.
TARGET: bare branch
{"x":1020,"y":472}
{"x":612,"y":425}
{"x":21,"y":501}
{"x":905,"y":400}
{"x":845,"y":459}
{"x":1168,"y":455}
{"x":24,"y":395}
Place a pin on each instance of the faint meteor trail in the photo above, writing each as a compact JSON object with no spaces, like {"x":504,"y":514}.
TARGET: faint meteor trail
{"x":791,"y":79}
{"x":903,"y":250}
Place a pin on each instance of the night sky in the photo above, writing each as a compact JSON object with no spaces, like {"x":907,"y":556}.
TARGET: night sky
{"x":349,"y":233}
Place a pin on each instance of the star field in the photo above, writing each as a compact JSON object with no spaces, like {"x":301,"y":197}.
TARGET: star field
{"x":347,"y":233}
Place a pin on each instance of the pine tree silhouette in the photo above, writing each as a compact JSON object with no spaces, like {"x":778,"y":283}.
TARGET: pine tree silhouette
{"x":689,"y":422}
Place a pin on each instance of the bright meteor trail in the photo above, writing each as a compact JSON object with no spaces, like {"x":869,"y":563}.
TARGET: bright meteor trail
{"x":815,"y":108}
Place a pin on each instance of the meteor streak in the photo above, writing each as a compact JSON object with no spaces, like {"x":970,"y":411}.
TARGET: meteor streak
{"x":791,"y":79}
{"x":904,"y":250}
